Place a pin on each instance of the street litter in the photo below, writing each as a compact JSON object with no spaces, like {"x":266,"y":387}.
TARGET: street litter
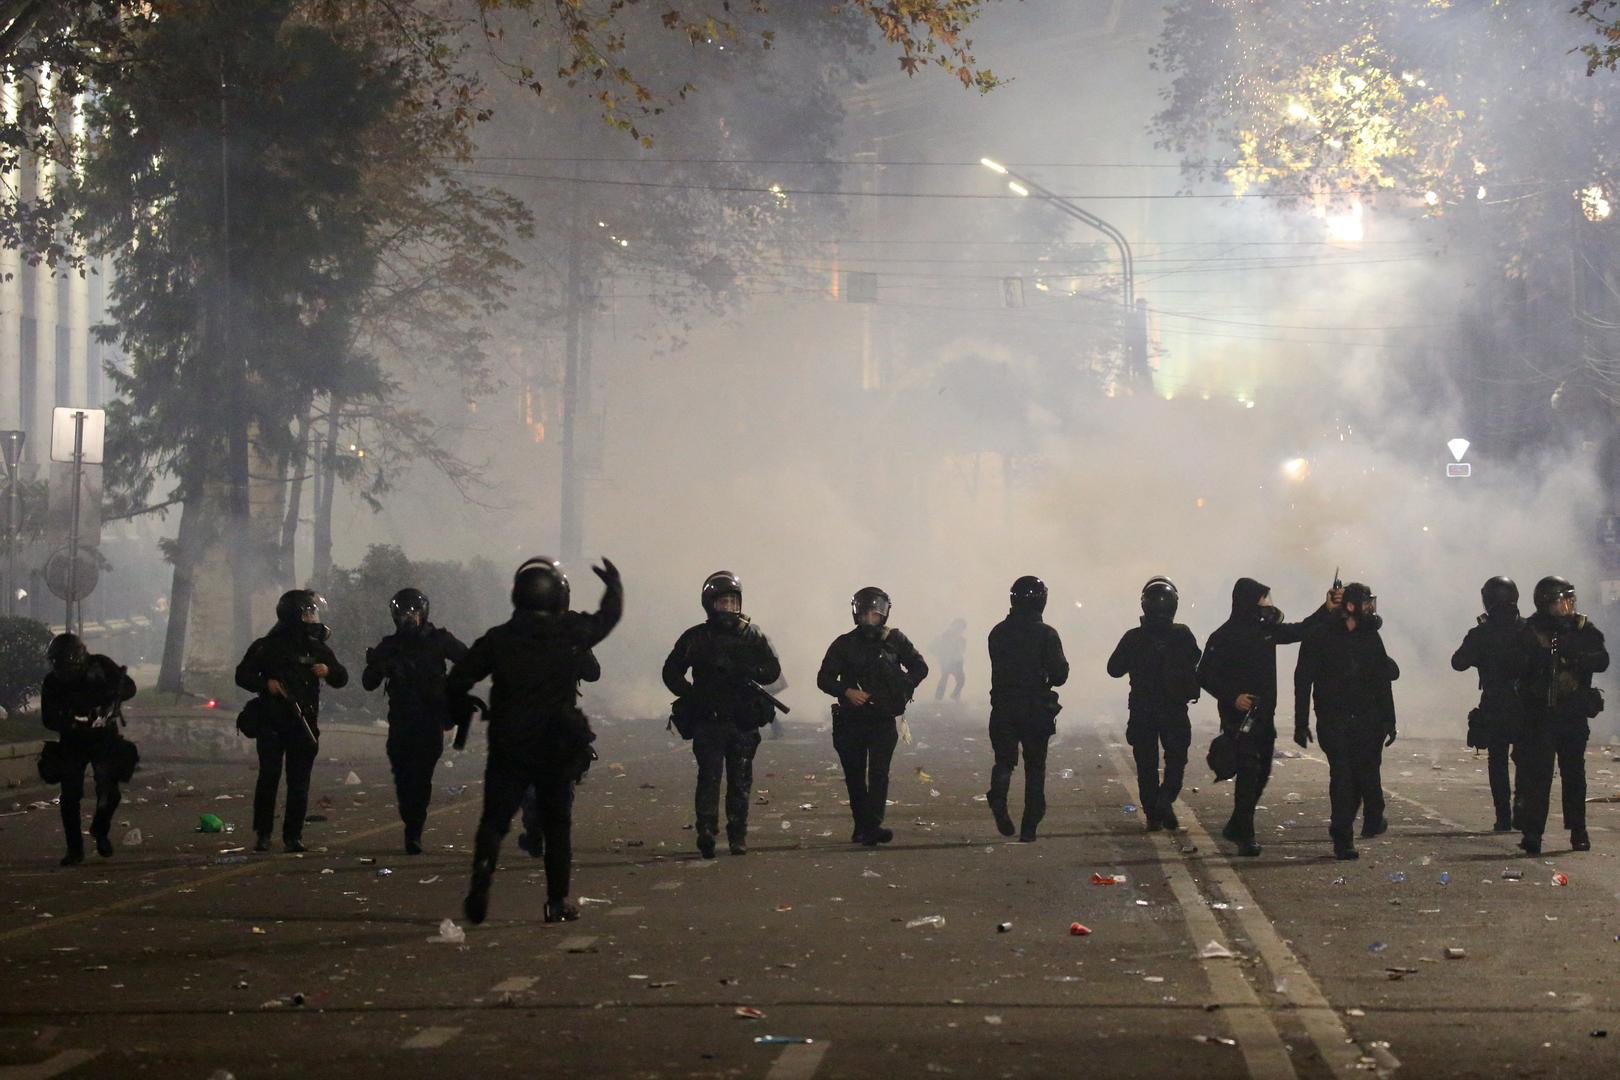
{"x":1215,"y":1040}
{"x":1398,"y":877}
{"x":1066,"y":774}
{"x":1377,"y":947}
{"x":1512,"y":875}
{"x":1130,"y":808}
{"x":1338,"y":881}
{"x":783,"y":1040}
{"x":227,"y":860}
{"x":420,"y":881}
{"x":454,"y":789}
{"x":1397,"y":973}
{"x":1107,"y":879}
{"x":933,"y":922}
{"x":870,"y":873}
{"x":133,"y":838}
{"x":748,"y":1012}
{"x":210,"y":823}
{"x":1445,"y":878}
{"x":1293,"y":797}
{"x":1078,"y":930}
{"x":593,"y":900}
{"x":352,"y":780}
{"x":1560,"y":878}
{"x":1214,"y":951}
{"x":450,"y":933}
{"x":383,"y":871}
{"x":1003,"y":927}
{"x":1456,"y":953}
{"x":993,"y":1021}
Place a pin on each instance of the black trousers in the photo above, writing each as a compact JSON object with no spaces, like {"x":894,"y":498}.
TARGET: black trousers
{"x":108,"y":796}
{"x":505,"y":784}
{"x":953,"y":670}
{"x":1499,"y":754}
{"x":1031,"y":735}
{"x":1254,"y":770}
{"x":723,"y":748}
{"x":1547,"y":742}
{"x":865,"y":747}
{"x":1355,"y":753}
{"x":275,"y":748}
{"x":1146,"y":734}
{"x":413,"y":781}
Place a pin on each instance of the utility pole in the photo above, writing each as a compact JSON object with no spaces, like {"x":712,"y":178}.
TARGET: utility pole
{"x":11,"y":445}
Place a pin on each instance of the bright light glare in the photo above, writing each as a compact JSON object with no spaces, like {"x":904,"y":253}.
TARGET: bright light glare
{"x":993,"y":165}
{"x":1296,"y":469}
{"x":1346,"y":228}
{"x":1432,"y":198}
{"x":1296,"y":111}
{"x":1016,"y":188}
{"x":1595,"y":202}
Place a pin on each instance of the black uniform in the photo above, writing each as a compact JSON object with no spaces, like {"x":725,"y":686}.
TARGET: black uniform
{"x":80,"y":708}
{"x":1561,"y":656}
{"x":533,"y":837}
{"x":885,"y":664}
{"x":723,"y":654}
{"x":1495,"y":647}
{"x":412,"y":662}
{"x":537,"y":734}
{"x":1026,"y":667}
{"x":1161,"y":657}
{"x":1351,"y":675}
{"x":288,"y":654}
{"x":1240,"y":657}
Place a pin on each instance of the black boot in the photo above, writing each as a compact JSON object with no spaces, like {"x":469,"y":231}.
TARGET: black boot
{"x":1167,"y":818}
{"x":1579,"y":841}
{"x":476,"y":906}
{"x":561,"y":910}
{"x":1502,"y":825}
{"x":1345,"y":852}
{"x":705,"y":845}
{"x":413,"y":844}
{"x":1004,"y":821}
{"x":1530,"y":844}
{"x":262,"y":843}
{"x":1248,"y":848}
{"x":104,"y":846}
{"x":74,"y":857}
{"x":880,"y":835}
{"x":1370,"y":829}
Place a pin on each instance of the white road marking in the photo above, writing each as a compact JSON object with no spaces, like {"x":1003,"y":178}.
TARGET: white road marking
{"x":515,"y":985}
{"x":430,"y":1038}
{"x":577,"y":943}
{"x":51,"y":1066}
{"x":621,"y":912}
{"x":798,"y":1062}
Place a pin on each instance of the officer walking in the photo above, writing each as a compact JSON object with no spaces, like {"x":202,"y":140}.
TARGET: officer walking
{"x":871,"y":673}
{"x":537,"y":734}
{"x":1562,"y":651}
{"x":79,"y":700}
{"x":1239,"y":670}
{"x":1027,"y":666}
{"x":950,"y":652}
{"x":1161,"y":657}
{"x":1494,"y":647}
{"x":1344,"y":662}
{"x":730,"y":659}
{"x":286,"y":667}
{"x":412,"y":662}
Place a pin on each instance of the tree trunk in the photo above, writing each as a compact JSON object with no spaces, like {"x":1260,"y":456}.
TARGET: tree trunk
{"x":188,"y":547}
{"x":326,"y":492}
{"x":295,"y":500}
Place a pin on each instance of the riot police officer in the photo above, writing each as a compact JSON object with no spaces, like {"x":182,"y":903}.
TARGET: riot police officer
{"x":286,"y":668}
{"x":1239,"y":670}
{"x":79,"y":700}
{"x":412,"y":662}
{"x":537,"y":734}
{"x":1027,"y":666}
{"x":1161,"y":657}
{"x":730,"y":659}
{"x":871,"y":673}
{"x":1343,"y":661}
{"x":1493,"y":646}
{"x":1562,"y":651}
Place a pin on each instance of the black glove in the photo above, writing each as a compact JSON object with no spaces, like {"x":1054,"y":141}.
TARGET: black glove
{"x":608,"y":573}
{"x":1389,"y":736}
{"x":1302,"y":735}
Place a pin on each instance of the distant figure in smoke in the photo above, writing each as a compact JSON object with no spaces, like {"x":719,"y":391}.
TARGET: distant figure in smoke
{"x":286,"y":668}
{"x":1161,"y":657}
{"x":1239,"y":670}
{"x":1562,"y":651}
{"x":79,"y":700}
{"x":871,"y":673}
{"x":1027,"y":666}
{"x":950,"y":649}
{"x":721,"y":708}
{"x":1494,"y":647}
{"x":1344,"y":663}
{"x":537,"y":734}
{"x":412,"y":662}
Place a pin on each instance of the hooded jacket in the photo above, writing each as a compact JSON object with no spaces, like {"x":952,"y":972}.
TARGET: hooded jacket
{"x":1241,"y":655}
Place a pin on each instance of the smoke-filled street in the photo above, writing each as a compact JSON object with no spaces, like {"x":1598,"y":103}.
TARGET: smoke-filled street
{"x":179,"y":958}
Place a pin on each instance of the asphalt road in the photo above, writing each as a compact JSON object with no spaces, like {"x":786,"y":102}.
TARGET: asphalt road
{"x":180,"y":958}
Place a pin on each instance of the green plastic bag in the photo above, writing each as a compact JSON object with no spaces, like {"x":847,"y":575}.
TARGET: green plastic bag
{"x":210,"y":823}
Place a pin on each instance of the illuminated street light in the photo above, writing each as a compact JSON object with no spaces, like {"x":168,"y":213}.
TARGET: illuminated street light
{"x":1017,"y":189}
{"x":1296,"y":469}
{"x":1595,"y":204}
{"x":1431,"y":197}
{"x":993,"y":165}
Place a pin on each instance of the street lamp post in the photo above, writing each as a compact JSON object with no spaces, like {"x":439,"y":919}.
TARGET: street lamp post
{"x":11,"y":444}
{"x":1135,"y":310}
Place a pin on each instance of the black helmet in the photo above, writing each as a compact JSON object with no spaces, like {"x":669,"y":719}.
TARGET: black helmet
{"x":1500,"y":592}
{"x":870,"y":598}
{"x":1028,"y":593}
{"x":294,"y":603}
{"x":540,"y":585}
{"x":66,"y":653}
{"x":1549,"y":591}
{"x":1160,"y":599}
{"x":719,"y":584}
{"x":406,"y":601}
